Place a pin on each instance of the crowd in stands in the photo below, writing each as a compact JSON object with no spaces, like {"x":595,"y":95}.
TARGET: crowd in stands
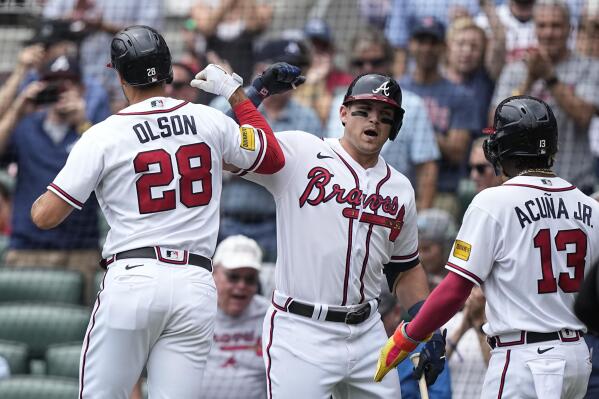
{"x":455,"y":61}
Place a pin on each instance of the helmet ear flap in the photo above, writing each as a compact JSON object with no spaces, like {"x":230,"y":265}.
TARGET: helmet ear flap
{"x":398,"y":123}
{"x":491,"y":153}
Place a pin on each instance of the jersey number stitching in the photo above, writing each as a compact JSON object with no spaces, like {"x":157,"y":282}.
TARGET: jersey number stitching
{"x":188,"y":176}
{"x":574,"y":259}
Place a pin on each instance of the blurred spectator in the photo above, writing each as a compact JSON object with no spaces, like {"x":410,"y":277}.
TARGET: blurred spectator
{"x":29,"y":57}
{"x":516,"y":18}
{"x":375,"y":12}
{"x":4,"y":369}
{"x":248,"y":208}
{"x":567,"y":81}
{"x":391,"y":315}
{"x":436,"y":232}
{"x":449,"y":108}
{"x":414,"y":152}
{"x":180,"y":87}
{"x":468,"y":353}
{"x":473,"y":65}
{"x":481,"y":170}
{"x":56,"y":38}
{"x":230,"y":28}
{"x":100,"y":20}
{"x":587,"y":40}
{"x":406,"y":13}
{"x":323,"y":79}
{"x":235,"y":367}
{"x":37,"y":132}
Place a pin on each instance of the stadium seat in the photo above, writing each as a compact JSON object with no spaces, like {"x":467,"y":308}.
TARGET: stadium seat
{"x":40,"y":325}
{"x":36,"y":284}
{"x":16,"y":354}
{"x":62,"y":360}
{"x":37,"y":387}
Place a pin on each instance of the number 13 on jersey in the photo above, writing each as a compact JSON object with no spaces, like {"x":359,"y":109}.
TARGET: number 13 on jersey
{"x":575,"y":259}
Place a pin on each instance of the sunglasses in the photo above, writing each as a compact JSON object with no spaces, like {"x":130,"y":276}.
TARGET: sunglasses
{"x":480,"y":168}
{"x":375,"y":62}
{"x":178,"y":85}
{"x":234,"y":278}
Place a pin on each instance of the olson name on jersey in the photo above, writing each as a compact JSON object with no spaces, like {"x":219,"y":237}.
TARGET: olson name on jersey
{"x":547,"y":207}
{"x":169,"y":125}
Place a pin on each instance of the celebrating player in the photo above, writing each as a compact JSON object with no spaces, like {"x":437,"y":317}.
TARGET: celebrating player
{"x":528,"y":243}
{"x":156,"y":170}
{"x":344,"y":218}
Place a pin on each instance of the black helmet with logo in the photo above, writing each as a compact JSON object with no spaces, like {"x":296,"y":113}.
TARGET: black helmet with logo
{"x":140,"y":54}
{"x":376,"y":87}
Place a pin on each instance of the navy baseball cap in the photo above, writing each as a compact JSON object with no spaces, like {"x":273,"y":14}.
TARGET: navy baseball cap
{"x":318,"y":30}
{"x":61,"y":67}
{"x":428,"y":26}
{"x":293,"y":52}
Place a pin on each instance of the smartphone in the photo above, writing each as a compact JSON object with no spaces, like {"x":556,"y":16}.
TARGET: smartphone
{"x":48,"y":95}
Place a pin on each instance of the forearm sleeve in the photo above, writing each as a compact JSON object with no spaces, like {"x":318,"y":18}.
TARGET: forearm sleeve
{"x":442,"y":304}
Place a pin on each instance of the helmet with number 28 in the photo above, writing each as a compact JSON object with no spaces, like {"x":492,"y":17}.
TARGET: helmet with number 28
{"x":141,"y":56}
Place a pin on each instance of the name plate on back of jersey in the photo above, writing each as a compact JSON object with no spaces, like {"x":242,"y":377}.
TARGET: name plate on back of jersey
{"x":173,"y":125}
{"x":548,"y":207}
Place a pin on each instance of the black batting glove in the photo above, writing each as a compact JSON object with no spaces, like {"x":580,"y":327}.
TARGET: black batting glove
{"x":432,"y":358}
{"x":278,"y":78}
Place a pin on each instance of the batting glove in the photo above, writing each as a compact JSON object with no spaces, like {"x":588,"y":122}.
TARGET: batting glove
{"x":397,"y":348}
{"x":432,"y":358}
{"x":278,"y":78}
{"x":214,"y":79}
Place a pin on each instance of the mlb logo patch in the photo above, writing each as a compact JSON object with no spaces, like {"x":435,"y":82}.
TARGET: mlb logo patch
{"x":157,"y":103}
{"x":169,"y":255}
{"x":546,"y":182}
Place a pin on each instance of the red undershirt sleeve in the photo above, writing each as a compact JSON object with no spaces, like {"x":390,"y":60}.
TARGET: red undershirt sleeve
{"x":274,"y":159}
{"x":441,"y":305}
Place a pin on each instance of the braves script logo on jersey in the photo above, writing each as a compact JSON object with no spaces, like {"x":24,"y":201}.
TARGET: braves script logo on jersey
{"x":382,"y":88}
{"x":318,"y":191}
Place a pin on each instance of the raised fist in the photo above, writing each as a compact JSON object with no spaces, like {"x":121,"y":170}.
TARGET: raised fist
{"x":278,"y":78}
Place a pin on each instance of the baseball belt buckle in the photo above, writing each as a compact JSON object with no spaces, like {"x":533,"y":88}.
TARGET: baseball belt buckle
{"x":357,"y":316}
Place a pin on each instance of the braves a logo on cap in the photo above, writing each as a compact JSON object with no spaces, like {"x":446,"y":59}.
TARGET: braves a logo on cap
{"x":384,"y":88}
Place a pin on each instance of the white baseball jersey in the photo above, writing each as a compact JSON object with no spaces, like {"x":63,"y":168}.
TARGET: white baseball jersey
{"x":335,"y":256}
{"x":156,"y":169}
{"x":528,"y":243}
{"x":235,"y":367}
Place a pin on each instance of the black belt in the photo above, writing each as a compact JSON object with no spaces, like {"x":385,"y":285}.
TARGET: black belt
{"x":339,"y":316}
{"x":150,"y":253}
{"x":534,"y":337}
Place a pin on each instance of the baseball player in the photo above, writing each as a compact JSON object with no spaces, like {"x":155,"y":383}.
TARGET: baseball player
{"x":345,"y":219}
{"x":156,"y":169}
{"x":528,"y":244}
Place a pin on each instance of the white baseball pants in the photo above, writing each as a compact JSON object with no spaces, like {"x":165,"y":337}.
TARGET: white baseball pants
{"x":522,"y":372}
{"x":307,"y":358}
{"x":155,"y":314}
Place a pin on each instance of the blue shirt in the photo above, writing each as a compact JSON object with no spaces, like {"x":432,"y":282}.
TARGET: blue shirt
{"x":449,"y":107}
{"x":39,"y":160}
{"x":479,"y":86}
{"x":441,"y":389}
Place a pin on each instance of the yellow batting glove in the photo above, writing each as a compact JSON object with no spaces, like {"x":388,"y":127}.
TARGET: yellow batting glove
{"x":397,"y":348}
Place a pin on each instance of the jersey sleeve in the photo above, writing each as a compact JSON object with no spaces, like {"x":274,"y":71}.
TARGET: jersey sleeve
{"x":81,"y":173}
{"x":243,"y":146}
{"x":291,"y":143}
{"x":405,"y":250}
{"x":476,"y":245}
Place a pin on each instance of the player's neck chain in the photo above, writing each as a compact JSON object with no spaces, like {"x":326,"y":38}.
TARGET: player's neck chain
{"x":542,"y":171}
